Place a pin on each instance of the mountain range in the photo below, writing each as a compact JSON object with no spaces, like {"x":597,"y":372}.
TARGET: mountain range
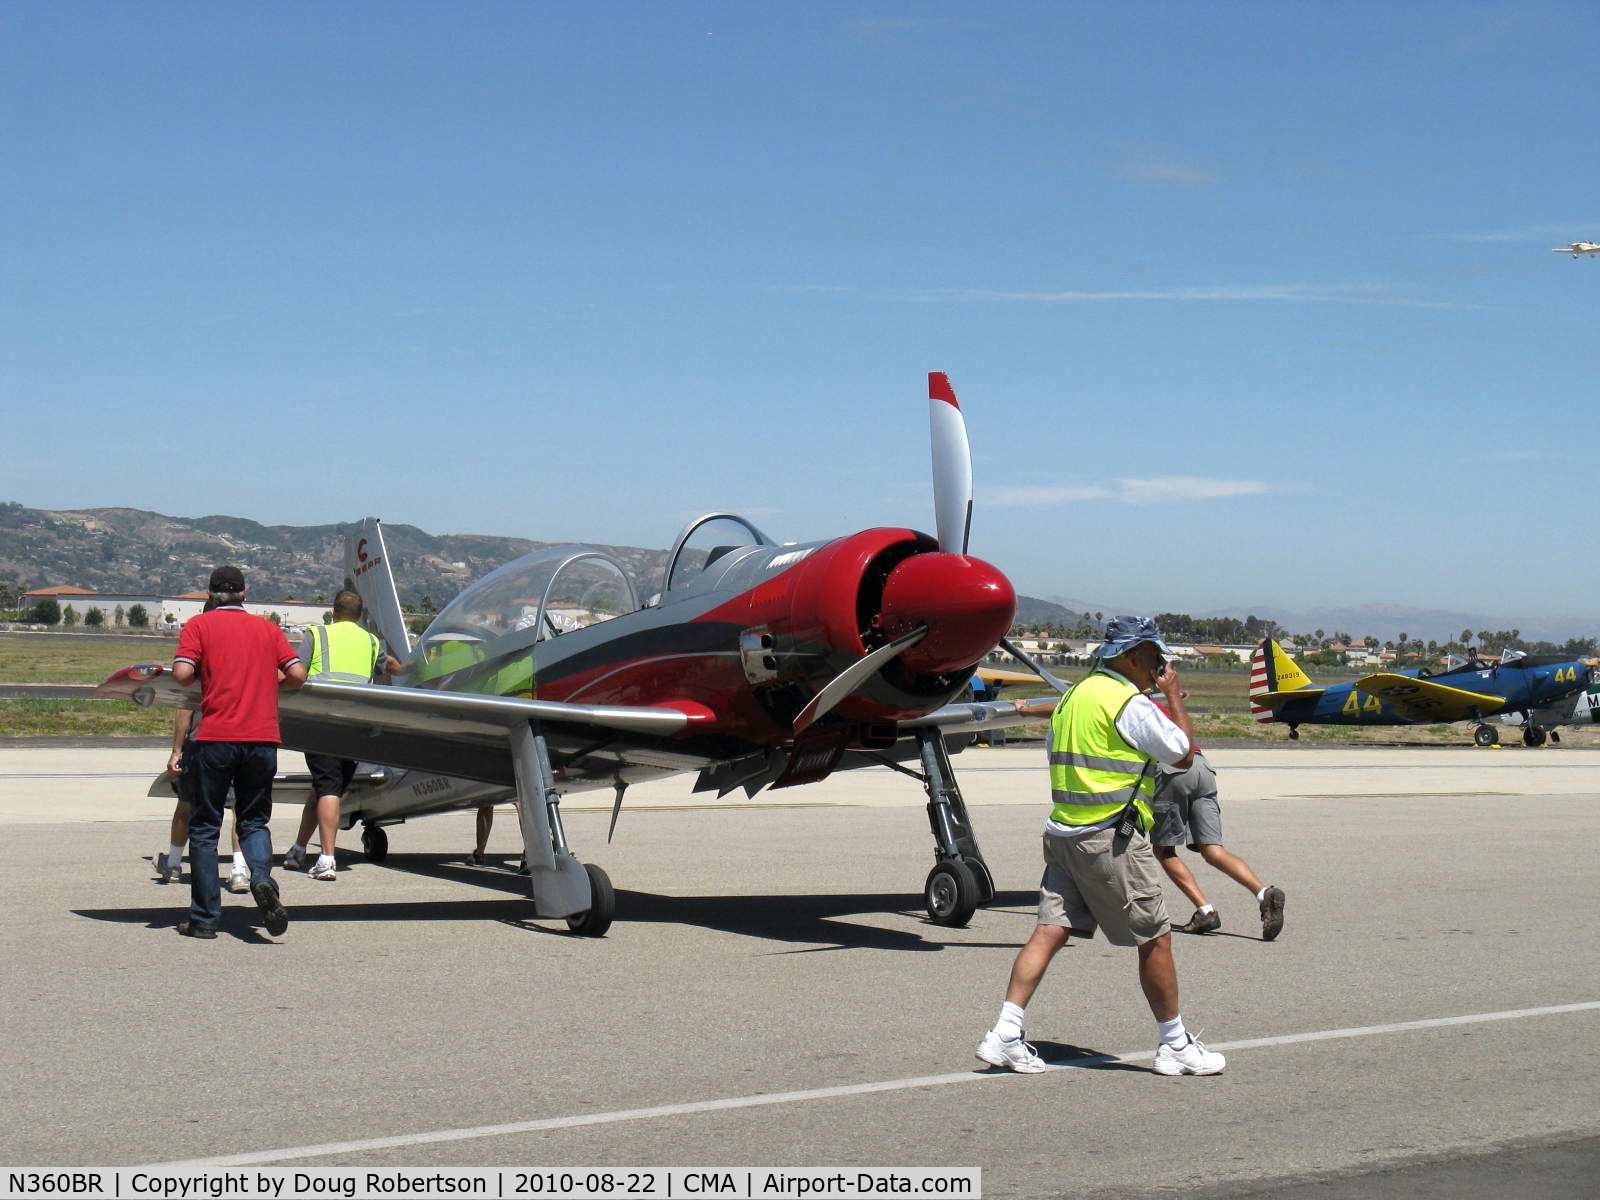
{"x":130,"y":550}
{"x":1387,"y":622}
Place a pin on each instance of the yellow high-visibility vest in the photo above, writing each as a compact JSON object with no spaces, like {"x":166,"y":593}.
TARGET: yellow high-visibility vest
{"x":1094,"y":772}
{"x":342,"y":650}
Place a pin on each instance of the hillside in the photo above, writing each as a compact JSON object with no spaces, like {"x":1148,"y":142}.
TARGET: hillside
{"x":130,"y":550}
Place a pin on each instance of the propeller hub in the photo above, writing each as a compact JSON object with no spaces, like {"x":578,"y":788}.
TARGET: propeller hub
{"x":967,"y":605}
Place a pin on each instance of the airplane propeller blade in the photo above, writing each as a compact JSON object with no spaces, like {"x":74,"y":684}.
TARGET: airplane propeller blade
{"x":952,"y":465}
{"x":847,"y":681}
{"x":1026,"y":660}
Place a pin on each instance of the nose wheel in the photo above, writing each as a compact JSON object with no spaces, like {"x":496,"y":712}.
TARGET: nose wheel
{"x":951,"y":893}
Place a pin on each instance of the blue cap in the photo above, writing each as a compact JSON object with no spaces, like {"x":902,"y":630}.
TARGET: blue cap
{"x":1124,"y":633}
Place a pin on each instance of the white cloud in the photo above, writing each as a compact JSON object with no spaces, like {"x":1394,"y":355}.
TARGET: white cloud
{"x":1528,"y":233}
{"x":1166,"y":174}
{"x":1157,"y":489}
{"x":1298,"y":293}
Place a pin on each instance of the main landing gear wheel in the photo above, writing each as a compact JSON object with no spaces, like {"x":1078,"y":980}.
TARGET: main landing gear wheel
{"x":602,"y":909}
{"x":374,"y":843}
{"x":951,"y":893}
{"x":1483,"y":735}
{"x":1533,"y":737}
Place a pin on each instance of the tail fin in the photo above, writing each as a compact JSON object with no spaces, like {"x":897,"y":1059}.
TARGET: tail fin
{"x":1272,"y":672}
{"x":366,"y":568}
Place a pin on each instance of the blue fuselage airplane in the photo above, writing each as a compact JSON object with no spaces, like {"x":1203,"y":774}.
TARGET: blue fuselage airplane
{"x":1521,"y":683}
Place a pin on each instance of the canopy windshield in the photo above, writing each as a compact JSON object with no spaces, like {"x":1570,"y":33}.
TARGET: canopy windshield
{"x":704,"y":541}
{"x":549,"y":592}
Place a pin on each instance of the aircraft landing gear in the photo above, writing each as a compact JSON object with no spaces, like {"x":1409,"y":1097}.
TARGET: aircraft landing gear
{"x":1484,"y":735}
{"x":1533,"y":736}
{"x":561,"y":886}
{"x":960,"y":881}
{"x":596,"y":919}
{"x":1294,"y":733}
{"x":1555,"y":738}
{"x":374,"y":842}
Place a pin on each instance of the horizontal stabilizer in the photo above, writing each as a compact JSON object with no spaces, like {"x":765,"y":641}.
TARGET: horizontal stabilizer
{"x":1310,"y":693}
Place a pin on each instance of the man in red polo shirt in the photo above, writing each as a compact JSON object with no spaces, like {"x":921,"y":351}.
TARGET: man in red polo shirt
{"x":241,"y":661}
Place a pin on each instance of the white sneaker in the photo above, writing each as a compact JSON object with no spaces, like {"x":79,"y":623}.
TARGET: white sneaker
{"x":239,"y":880}
{"x":1016,"y":1054}
{"x":326,"y":870}
{"x":1192,"y":1059}
{"x":166,"y":872}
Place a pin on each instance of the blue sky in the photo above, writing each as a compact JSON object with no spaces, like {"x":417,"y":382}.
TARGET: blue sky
{"x":1248,"y":304}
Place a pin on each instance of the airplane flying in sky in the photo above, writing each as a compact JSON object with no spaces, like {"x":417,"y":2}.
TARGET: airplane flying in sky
{"x":753,"y":664}
{"x":1578,"y":248}
{"x":1519,"y":683}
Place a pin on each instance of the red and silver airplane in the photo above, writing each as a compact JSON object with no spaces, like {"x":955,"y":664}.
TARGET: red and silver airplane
{"x":1578,"y":248}
{"x":756,"y":665}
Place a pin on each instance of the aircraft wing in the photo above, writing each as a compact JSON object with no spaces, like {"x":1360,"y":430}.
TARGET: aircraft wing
{"x":971,"y":715}
{"x":465,"y":735}
{"x":1001,"y":675}
{"x":1426,"y":700}
{"x":450,"y":733}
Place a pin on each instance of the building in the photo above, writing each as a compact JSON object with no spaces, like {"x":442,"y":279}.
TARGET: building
{"x":169,"y":612}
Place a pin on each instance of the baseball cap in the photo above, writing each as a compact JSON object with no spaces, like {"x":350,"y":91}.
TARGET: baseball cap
{"x":1124,"y":633}
{"x":227,"y":579}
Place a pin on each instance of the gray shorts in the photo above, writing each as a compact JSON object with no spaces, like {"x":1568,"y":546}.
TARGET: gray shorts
{"x":1186,"y":809}
{"x":1090,"y":884}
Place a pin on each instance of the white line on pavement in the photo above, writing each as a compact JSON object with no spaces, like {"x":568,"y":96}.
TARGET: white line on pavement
{"x":855,"y":1089}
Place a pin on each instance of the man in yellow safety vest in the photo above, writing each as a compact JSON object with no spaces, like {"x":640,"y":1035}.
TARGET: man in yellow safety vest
{"x":1106,"y":738}
{"x":341,"y":649}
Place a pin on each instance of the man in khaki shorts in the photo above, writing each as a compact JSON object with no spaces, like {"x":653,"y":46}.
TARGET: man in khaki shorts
{"x":1187,"y":814}
{"x":1106,"y":737}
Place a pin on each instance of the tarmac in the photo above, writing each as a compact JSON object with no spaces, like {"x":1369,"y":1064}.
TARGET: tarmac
{"x":772,"y":994}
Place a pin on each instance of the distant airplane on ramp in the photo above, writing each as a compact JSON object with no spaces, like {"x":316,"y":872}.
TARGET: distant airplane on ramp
{"x":1526,"y":684}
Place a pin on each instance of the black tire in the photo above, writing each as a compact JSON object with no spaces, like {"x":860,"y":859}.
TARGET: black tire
{"x":1294,"y":734}
{"x":1533,"y":737}
{"x":1483,"y":735}
{"x":602,"y":909}
{"x":374,"y":843}
{"x":951,"y":893}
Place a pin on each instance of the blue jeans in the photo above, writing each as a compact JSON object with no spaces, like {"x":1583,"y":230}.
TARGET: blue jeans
{"x":248,"y":767}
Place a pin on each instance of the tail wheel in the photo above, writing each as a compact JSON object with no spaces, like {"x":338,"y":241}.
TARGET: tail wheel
{"x":951,"y":893}
{"x":602,"y":906}
{"x":374,"y":843}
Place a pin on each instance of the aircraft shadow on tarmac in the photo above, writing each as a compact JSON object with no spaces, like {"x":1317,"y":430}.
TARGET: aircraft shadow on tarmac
{"x":812,"y":921}
{"x":809,"y":919}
